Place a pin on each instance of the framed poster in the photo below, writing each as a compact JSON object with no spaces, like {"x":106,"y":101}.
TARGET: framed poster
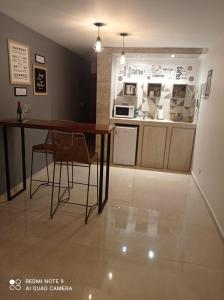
{"x":19,"y":63}
{"x":39,"y":80}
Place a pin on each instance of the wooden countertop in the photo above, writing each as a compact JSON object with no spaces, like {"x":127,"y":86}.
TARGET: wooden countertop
{"x":60,"y":125}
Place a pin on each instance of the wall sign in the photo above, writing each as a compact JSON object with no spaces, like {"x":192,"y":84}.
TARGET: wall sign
{"x":40,"y":59}
{"x":40,"y":80}
{"x":20,"y":91}
{"x":19,"y":63}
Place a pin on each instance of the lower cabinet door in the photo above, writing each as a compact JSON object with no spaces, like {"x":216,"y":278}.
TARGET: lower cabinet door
{"x":153,"y":147}
{"x":181,"y":147}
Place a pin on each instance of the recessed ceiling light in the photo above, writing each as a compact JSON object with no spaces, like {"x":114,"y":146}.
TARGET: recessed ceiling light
{"x":173,"y":55}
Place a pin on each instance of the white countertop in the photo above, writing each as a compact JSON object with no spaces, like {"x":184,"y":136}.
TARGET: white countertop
{"x":155,"y":122}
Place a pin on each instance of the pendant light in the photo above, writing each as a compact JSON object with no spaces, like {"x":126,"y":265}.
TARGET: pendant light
{"x":122,"y":58}
{"x":98,"y":47}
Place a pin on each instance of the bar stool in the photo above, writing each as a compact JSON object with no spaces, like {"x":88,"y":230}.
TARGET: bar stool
{"x":71,"y":149}
{"x":44,"y":148}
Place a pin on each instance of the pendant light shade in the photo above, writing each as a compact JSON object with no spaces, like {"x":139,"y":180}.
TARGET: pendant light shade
{"x":123,"y":58}
{"x":98,"y":47}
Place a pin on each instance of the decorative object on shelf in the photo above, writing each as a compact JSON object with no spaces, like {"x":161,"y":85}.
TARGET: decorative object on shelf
{"x":39,"y":80}
{"x":130,"y":89}
{"x":179,"y":90}
{"x":208,"y":83}
{"x":98,"y":47}
{"x":40,"y":59}
{"x":19,"y":63}
{"x":154,"y":90}
{"x":122,"y":59}
{"x":20,"y":91}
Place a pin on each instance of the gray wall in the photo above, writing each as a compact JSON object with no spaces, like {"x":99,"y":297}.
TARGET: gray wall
{"x":62,"y":101}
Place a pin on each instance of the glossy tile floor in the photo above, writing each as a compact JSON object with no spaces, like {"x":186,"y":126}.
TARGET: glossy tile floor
{"x":155,"y":240}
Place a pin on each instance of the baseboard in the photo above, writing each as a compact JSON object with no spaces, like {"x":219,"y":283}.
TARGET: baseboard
{"x":205,"y":198}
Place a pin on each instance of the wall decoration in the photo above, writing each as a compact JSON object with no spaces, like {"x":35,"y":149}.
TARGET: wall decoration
{"x":154,"y":90}
{"x":130,"y":89}
{"x":208,"y":83}
{"x":39,"y":80}
{"x":179,"y":90}
{"x":40,"y":59}
{"x":19,"y":63}
{"x":20,"y":91}
{"x":162,"y":72}
{"x":146,"y":72}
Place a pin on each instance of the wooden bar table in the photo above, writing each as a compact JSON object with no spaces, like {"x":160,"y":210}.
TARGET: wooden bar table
{"x":97,"y":129}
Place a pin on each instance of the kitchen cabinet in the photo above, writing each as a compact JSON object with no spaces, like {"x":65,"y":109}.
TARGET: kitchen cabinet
{"x":161,"y":144}
{"x":181,"y":147}
{"x":153,"y":147}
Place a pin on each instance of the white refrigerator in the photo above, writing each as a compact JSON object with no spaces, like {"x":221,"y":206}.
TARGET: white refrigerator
{"x":125,"y":143}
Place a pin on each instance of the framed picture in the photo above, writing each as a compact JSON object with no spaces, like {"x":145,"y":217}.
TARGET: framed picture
{"x":40,"y":59}
{"x":208,"y":83}
{"x":39,"y":80}
{"x":179,"y":91}
{"x":154,"y":90}
{"x":20,"y":91}
{"x":19,"y":63}
{"x":130,"y":89}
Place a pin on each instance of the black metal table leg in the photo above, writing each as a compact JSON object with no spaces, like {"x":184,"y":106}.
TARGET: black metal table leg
{"x":102,"y":202}
{"x":6,"y":150}
{"x":7,"y":173}
{"x":23,"y":157}
{"x":100,"y":208}
{"x":108,"y":166}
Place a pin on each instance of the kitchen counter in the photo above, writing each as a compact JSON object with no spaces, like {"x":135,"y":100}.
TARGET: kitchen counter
{"x":162,"y":144}
{"x":153,"y":122}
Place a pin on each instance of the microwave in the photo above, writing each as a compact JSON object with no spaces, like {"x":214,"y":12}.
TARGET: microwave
{"x":124,"y":111}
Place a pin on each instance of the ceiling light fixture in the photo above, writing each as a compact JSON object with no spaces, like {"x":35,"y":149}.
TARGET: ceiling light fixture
{"x":122,"y":59}
{"x":98,"y":44}
{"x":173,"y":55}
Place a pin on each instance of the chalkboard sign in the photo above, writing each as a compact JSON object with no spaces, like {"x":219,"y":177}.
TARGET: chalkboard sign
{"x":40,"y":80}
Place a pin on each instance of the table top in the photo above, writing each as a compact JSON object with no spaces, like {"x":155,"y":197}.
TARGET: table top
{"x":60,"y":125}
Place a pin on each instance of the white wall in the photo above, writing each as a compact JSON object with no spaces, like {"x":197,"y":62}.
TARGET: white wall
{"x":208,"y":162}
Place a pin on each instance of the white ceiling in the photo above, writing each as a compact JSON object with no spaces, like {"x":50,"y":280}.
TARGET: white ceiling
{"x":151,"y":23}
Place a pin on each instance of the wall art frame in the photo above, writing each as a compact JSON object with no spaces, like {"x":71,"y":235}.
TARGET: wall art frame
{"x":20,"y":91}
{"x":40,"y":59}
{"x":19,"y":63}
{"x":40,"y":87}
{"x":208,"y":83}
